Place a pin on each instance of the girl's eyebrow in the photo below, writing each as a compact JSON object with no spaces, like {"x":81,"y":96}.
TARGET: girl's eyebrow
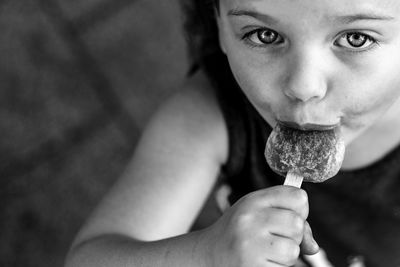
{"x":342,"y":19}
{"x":347,"y":19}
{"x":250,"y":13}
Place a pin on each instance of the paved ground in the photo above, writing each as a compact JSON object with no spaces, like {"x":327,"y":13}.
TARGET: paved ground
{"x":79,"y":79}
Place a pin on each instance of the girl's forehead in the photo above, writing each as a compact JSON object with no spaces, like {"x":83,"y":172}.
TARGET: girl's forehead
{"x":313,"y":15}
{"x":336,"y":7}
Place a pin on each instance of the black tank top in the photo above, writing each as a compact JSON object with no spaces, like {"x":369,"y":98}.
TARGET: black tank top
{"x":354,"y":216}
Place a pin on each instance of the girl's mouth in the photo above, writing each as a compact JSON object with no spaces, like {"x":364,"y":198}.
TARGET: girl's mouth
{"x":309,"y":126}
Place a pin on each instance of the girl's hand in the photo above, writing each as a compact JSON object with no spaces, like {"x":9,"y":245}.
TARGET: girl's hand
{"x":264,"y":228}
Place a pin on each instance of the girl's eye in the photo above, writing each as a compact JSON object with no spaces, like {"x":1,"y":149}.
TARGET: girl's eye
{"x":355,"y":41}
{"x":263,"y":37}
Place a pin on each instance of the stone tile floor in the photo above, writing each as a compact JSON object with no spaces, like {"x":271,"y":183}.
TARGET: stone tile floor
{"x":78,"y":81}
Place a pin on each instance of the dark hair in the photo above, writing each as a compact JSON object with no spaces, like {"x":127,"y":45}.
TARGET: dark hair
{"x":204,"y":49}
{"x":201,"y":30}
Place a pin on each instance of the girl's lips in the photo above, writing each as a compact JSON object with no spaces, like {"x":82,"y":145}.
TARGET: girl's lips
{"x":309,"y":126}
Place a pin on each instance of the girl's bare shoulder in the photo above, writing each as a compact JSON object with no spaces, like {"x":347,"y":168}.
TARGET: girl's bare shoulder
{"x":174,"y":168}
{"x":195,"y":110}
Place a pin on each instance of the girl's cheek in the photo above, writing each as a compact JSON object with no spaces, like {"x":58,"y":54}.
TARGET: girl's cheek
{"x":256,"y":75}
{"x":257,"y":86}
{"x":363,"y":109}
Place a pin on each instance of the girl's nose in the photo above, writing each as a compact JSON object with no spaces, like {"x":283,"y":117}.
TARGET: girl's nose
{"x":305,"y":79}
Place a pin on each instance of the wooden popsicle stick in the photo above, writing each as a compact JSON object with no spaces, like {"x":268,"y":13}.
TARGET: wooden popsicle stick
{"x":293,"y":179}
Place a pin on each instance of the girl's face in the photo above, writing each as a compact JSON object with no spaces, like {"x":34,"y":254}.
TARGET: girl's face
{"x":316,"y":63}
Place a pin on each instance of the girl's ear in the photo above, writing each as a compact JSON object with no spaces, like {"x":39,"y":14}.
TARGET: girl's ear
{"x":221,"y":38}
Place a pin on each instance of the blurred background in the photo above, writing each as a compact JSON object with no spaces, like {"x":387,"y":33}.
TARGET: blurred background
{"x":78,"y":81}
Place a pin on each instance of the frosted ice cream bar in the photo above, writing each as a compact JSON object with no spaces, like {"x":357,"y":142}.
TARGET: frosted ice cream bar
{"x":312,"y":155}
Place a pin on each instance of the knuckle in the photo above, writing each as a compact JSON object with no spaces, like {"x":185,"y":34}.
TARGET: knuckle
{"x":279,"y":190}
{"x":294,"y":252}
{"x":243,"y":209}
{"x":243,"y":221}
{"x":293,"y":258}
{"x":302,"y":203}
{"x":274,"y":192}
{"x":240,"y":244}
{"x":242,"y":228}
{"x":302,"y":196}
{"x":290,"y":253}
{"x":286,"y":251}
{"x":297,"y":224}
{"x":249,"y":199}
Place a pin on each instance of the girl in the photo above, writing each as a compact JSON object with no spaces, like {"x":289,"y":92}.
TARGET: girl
{"x":315,"y":64}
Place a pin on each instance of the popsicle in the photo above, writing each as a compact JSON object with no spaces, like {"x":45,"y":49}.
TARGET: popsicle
{"x":312,"y":155}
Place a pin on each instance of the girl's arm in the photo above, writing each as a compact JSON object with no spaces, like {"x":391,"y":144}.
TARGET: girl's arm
{"x":144,"y":218}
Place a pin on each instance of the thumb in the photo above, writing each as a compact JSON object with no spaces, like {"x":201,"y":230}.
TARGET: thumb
{"x":308,"y":246}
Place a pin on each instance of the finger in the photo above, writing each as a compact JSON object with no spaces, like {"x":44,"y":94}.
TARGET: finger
{"x":282,"y":250}
{"x":308,"y":246}
{"x":284,"y":197}
{"x":285,"y":223}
